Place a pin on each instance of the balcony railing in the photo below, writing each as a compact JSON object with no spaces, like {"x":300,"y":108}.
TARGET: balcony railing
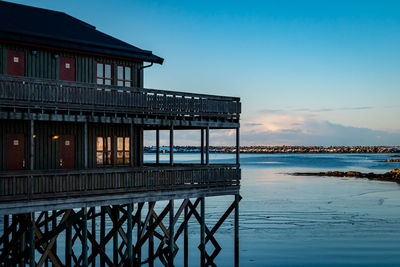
{"x":47,"y":185}
{"x":61,"y":95}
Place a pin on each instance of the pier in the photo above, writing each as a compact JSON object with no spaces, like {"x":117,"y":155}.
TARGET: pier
{"x":74,"y":188}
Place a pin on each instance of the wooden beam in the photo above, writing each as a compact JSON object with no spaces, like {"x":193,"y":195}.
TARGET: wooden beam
{"x":115,"y":219}
{"x":68,"y":245}
{"x":31,"y":240}
{"x":237,"y":199}
{"x":171,"y":234}
{"x":85,"y":145}
{"x":84,"y":239}
{"x":202,"y":233}
{"x":102,"y":232}
{"x":129,"y":233}
{"x":151,"y":236}
{"x":131,"y":145}
{"x":201,"y":146}
{"x":186,"y":240}
{"x":139,"y":230}
{"x":171,"y":145}
{"x":157,"y":146}
{"x":237,"y":146}
{"x":31,"y":145}
{"x":207,"y":145}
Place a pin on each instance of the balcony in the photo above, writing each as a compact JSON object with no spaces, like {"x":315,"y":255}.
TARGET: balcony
{"x":27,"y":190}
{"x":66,"y":97}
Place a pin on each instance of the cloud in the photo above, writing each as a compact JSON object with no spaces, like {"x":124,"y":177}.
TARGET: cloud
{"x":284,"y":129}
{"x":308,"y":131}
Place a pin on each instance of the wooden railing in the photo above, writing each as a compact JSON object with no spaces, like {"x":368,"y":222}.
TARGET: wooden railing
{"x":47,"y":185}
{"x":41,"y":93}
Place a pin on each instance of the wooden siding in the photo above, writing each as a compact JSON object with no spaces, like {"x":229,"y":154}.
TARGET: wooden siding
{"x":11,"y":127}
{"x":47,"y":149}
{"x":39,"y":185}
{"x":45,"y":65}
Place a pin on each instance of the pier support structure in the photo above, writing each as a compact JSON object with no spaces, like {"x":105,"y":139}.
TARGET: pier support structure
{"x":112,"y":235}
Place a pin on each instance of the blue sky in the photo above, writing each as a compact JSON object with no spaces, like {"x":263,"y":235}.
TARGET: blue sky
{"x":308,"y":72}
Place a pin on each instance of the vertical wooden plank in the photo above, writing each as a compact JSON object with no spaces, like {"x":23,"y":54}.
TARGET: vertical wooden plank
{"x":207,"y":145}
{"x":171,"y":233}
{"x":151,"y":240}
{"x":131,"y":145}
{"x":158,"y":146}
{"x":84,"y":238}
{"x":171,"y":145}
{"x":94,"y":232}
{"x":202,"y":233}
{"x":53,"y":228}
{"x":237,"y":230}
{"x":115,"y":214}
{"x":102,"y":232}
{"x":85,"y":145}
{"x":31,"y":239}
{"x":68,"y":245}
{"x":129,"y":233}
{"x":202,"y":146}
{"x":237,"y":146}
{"x":31,"y":145}
{"x":186,"y":240}
{"x":139,"y":229}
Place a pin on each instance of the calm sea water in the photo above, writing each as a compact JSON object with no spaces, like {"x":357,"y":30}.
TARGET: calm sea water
{"x":291,"y":220}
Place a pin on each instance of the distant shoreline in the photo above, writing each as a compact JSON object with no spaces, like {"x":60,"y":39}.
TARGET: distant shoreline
{"x":282,"y":149}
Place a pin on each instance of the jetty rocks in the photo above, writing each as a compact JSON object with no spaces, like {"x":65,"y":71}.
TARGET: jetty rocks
{"x":392,"y":176}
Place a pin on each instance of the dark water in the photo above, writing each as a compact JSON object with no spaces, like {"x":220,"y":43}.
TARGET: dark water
{"x":288,"y":220}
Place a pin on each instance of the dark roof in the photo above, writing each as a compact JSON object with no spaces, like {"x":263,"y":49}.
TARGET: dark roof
{"x":52,"y":28}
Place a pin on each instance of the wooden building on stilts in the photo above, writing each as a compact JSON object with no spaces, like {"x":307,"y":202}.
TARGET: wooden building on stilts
{"x":73,"y":112}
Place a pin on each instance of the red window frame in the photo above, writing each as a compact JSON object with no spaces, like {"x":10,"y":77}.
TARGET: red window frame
{"x":124,"y":80}
{"x":104,"y":79}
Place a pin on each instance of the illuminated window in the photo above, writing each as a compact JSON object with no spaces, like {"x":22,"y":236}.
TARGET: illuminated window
{"x":104,"y":151}
{"x":104,"y":73}
{"x":122,"y":150}
{"x":124,"y":76}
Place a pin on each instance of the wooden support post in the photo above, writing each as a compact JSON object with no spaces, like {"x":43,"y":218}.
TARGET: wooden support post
{"x":186,"y":240}
{"x":94,"y":233}
{"x":129,"y":233}
{"x":139,"y":230}
{"x":68,"y":245}
{"x":22,"y":239}
{"x":202,"y":233}
{"x":115,"y":214}
{"x":5,"y":229}
{"x":31,"y":240}
{"x":131,"y":146}
{"x":31,"y":145}
{"x":157,"y":146}
{"x":151,"y":237}
{"x":237,"y":199}
{"x":202,"y":146}
{"x":237,"y":146}
{"x":53,"y":228}
{"x":85,"y":145}
{"x":171,"y":240}
{"x":171,"y":145}
{"x":208,"y":145}
{"x":102,"y":232}
{"x":84,"y":239}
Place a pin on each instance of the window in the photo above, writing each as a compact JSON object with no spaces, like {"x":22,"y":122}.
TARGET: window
{"x":104,"y":151}
{"x":123,"y":150}
{"x":124,"y":76}
{"x":104,"y":73}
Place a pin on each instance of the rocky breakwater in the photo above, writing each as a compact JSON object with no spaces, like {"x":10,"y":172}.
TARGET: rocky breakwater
{"x":391,"y":176}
